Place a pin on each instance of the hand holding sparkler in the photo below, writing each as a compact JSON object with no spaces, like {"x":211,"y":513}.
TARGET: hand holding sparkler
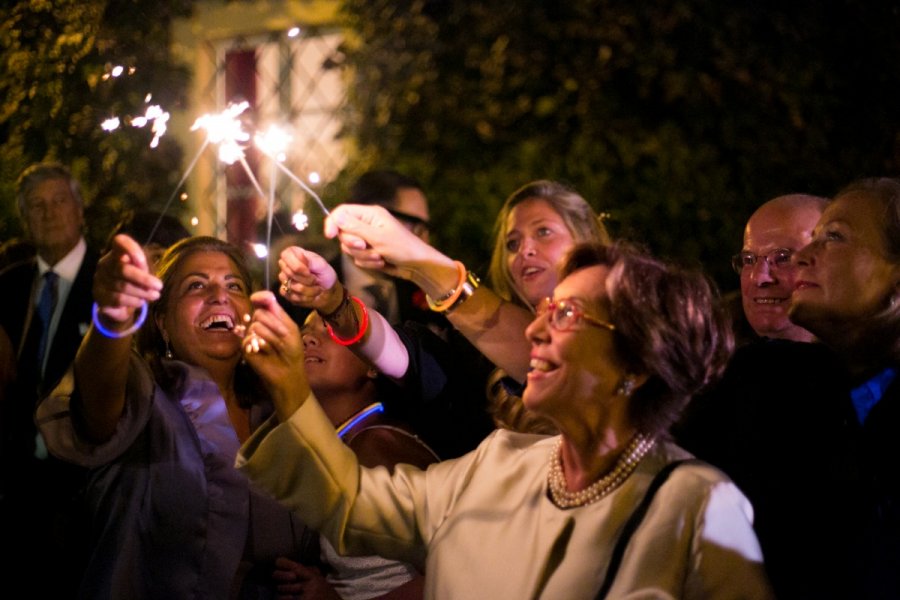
{"x":375,"y":239}
{"x":308,"y":280}
{"x":123,"y":283}
{"x":278,"y":360}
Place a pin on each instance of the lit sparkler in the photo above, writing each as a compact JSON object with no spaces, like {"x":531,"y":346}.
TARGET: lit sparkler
{"x":160,"y":119}
{"x":223,"y":129}
{"x":226,"y":130}
{"x":274,"y":144}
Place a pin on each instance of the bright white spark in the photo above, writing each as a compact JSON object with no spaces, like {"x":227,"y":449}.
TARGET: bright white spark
{"x":117,"y":70}
{"x":110,"y":124}
{"x":299,"y":220}
{"x":314,"y":177}
{"x":195,"y":221}
{"x":159,"y":117}
{"x":226,"y":130}
{"x":274,"y":142}
{"x":293,"y":32}
{"x":260,"y":250}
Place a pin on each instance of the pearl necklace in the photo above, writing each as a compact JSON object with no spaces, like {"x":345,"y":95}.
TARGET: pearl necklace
{"x":556,"y":479}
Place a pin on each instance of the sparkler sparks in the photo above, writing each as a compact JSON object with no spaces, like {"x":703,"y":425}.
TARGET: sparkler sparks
{"x":154,"y":114}
{"x":227,"y":132}
{"x":159,"y":117}
{"x":273,"y":144}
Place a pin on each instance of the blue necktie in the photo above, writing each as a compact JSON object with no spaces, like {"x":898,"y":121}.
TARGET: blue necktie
{"x":45,"y":307}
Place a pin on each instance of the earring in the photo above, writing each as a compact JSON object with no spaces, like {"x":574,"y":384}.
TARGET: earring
{"x":168,"y":350}
{"x":626,"y":388}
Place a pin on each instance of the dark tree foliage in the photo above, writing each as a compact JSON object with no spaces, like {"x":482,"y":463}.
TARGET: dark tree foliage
{"x":53,"y":97}
{"x":677,"y":118}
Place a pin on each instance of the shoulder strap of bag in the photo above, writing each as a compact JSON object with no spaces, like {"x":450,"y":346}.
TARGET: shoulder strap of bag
{"x":634,"y":521}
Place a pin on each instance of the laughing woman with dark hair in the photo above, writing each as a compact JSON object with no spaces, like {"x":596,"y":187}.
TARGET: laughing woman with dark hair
{"x":168,"y":516}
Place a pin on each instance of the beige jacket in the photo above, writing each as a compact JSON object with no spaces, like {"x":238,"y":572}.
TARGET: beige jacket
{"x":483,"y":525}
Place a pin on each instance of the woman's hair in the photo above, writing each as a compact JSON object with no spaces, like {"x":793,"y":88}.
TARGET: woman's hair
{"x":669,"y":326}
{"x":881,"y":333}
{"x":576,"y":213}
{"x":150,"y":342}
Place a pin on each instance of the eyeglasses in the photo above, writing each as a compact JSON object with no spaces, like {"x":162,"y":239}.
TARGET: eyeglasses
{"x":417,"y":225}
{"x":566,"y":314}
{"x":779,"y":258}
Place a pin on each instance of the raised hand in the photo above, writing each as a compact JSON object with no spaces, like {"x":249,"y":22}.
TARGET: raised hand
{"x":123,"y":281}
{"x":308,"y":280}
{"x":273,"y":348}
{"x":375,"y":239}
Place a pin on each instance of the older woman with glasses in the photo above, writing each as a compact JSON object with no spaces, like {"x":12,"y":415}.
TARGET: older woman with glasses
{"x":615,"y":354}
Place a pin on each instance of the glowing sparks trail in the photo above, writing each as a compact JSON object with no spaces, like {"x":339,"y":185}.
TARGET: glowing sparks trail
{"x":226,"y":131}
{"x":308,"y":189}
{"x":223,"y":129}
{"x":160,"y":120}
{"x":154,"y":114}
{"x":251,"y":176}
{"x":274,"y":144}
{"x":175,"y":191}
{"x":110,"y":124}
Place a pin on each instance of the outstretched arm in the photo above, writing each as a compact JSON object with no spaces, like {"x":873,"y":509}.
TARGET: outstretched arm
{"x":308,"y":280}
{"x":122,"y":285}
{"x":376,"y":240}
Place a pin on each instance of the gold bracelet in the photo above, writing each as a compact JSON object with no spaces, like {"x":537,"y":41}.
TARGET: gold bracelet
{"x":450,"y":298}
{"x":468,"y":288}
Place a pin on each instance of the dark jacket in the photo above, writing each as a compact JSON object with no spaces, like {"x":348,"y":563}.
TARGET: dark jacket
{"x":38,"y":510}
{"x":825,"y":489}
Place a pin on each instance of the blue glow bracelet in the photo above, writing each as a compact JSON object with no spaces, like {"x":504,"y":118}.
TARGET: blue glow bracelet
{"x":142,"y":316}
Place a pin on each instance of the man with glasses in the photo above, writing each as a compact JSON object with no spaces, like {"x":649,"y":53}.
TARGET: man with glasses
{"x":397,"y":299}
{"x":773,"y":233}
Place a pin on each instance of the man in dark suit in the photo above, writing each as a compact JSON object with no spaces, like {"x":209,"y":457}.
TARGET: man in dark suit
{"x":45,"y":310}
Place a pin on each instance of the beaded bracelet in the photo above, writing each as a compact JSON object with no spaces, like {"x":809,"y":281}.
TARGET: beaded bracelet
{"x":345,"y":300}
{"x":95,"y":314}
{"x":363,"y":326}
{"x":450,"y":298}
